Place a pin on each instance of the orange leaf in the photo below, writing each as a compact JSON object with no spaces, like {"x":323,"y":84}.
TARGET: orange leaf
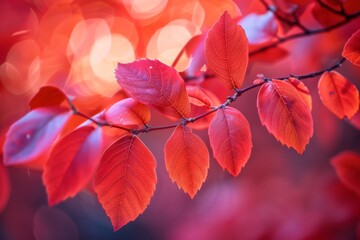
{"x":125,"y":180}
{"x":230,"y":139}
{"x":227,"y":52}
{"x":285,"y":114}
{"x":338,"y":94}
{"x":154,"y":83}
{"x":30,"y":138}
{"x":47,"y":96}
{"x":187,"y":159}
{"x":128,"y":112}
{"x":351,"y":49}
{"x":302,"y":90}
{"x":71,"y":164}
{"x":347,"y":166}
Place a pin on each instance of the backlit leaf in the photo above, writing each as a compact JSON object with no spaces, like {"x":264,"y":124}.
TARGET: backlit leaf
{"x":212,"y":100}
{"x":47,"y":96}
{"x":154,"y":83}
{"x":259,"y":28}
{"x":128,"y":112}
{"x":285,"y":114}
{"x":4,"y":186}
{"x":227,"y":51}
{"x":347,"y":166}
{"x":197,"y":96}
{"x":352,"y":49}
{"x":71,"y":164}
{"x":125,"y":180}
{"x":302,"y":90}
{"x":187,"y":160}
{"x":29,"y":139}
{"x":338,"y":94}
{"x":230,"y":139}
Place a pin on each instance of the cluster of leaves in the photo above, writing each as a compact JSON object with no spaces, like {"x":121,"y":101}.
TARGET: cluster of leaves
{"x":124,"y":174}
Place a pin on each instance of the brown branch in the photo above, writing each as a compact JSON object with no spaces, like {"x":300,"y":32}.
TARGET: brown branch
{"x":307,"y":33}
{"x":185,"y":121}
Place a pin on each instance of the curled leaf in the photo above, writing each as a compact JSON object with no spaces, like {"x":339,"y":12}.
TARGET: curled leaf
{"x":128,"y":112}
{"x":29,"y":139}
{"x":156,"y":84}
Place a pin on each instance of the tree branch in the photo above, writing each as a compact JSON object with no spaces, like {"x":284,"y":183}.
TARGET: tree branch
{"x":185,"y":121}
{"x":279,"y":41}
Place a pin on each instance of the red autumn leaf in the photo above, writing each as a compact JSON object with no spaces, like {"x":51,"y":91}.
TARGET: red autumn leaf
{"x":302,"y":90}
{"x":125,"y":180}
{"x":4,"y":186}
{"x":197,"y":96}
{"x":47,"y":96}
{"x":156,"y":84}
{"x":71,"y":164}
{"x":347,"y":166}
{"x":285,"y":114}
{"x":227,"y":52}
{"x":259,"y":28}
{"x":29,"y":139}
{"x":128,"y":112}
{"x":351,"y":49}
{"x":186,"y":160}
{"x":210,"y":100}
{"x":230,"y":139}
{"x":338,"y":94}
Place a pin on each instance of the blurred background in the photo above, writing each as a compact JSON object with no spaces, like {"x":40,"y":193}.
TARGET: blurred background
{"x":76,"y":44}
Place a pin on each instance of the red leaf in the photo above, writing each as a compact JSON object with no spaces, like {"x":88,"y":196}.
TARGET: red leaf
{"x":4,"y":186}
{"x":128,"y":112}
{"x":352,"y":49}
{"x":302,"y":90}
{"x":285,"y":114}
{"x":227,"y":52}
{"x":203,"y":123}
{"x":28,"y":139}
{"x":347,"y":166}
{"x":154,"y":83}
{"x":230,"y":139}
{"x":71,"y":164}
{"x":197,"y":96}
{"x":125,"y":180}
{"x":47,"y":96}
{"x":187,"y":160}
{"x":259,"y":28}
{"x":338,"y":94}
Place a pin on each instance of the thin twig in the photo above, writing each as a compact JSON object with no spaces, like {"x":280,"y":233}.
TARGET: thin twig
{"x":185,"y":121}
